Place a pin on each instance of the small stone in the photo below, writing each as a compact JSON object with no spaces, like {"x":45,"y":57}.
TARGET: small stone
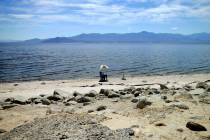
{"x":43,"y":83}
{"x":90,"y":111}
{"x":102,"y":107}
{"x":134,"y":100}
{"x":179,"y":129}
{"x":164,"y":97}
{"x":160,"y":124}
{"x":168,"y":101}
{"x":180,"y":105}
{"x":163,"y":87}
{"x":7,"y":106}
{"x":142,"y":103}
{"x":86,"y":103}
{"x":2,"y":131}
{"x":15,"y":85}
{"x":135,"y":126}
{"x":195,"y":126}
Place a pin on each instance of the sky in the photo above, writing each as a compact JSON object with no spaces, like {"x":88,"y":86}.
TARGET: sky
{"x":26,"y":19}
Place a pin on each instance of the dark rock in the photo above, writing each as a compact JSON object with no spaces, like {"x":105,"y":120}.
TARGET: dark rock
{"x":203,"y":85}
{"x":160,"y":124}
{"x":86,"y":103}
{"x":89,"y":111}
{"x":55,"y":97}
{"x":7,"y":106}
{"x":164,"y":97}
{"x":122,"y":93}
{"x":42,"y":95}
{"x":168,"y":101}
{"x":11,"y":99}
{"x":75,"y":94}
{"x":179,"y":129}
{"x":15,"y":85}
{"x":136,"y":93}
{"x":102,"y":107}
{"x":45,"y":101}
{"x":127,"y":130}
{"x":19,"y":100}
{"x":92,"y":93}
{"x":43,"y":83}
{"x":82,"y":99}
{"x":104,"y":92}
{"x":195,"y":126}
{"x":142,"y":103}
{"x":135,"y":100}
{"x":112,"y":94}
{"x":163,"y":86}
{"x":37,"y":101}
{"x":2,"y":131}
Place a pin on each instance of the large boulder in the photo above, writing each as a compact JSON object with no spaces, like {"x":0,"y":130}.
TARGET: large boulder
{"x":143,"y":102}
{"x":195,"y":126}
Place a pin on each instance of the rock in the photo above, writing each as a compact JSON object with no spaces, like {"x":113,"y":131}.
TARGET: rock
{"x":179,"y":129}
{"x":160,"y":124}
{"x":55,"y":97}
{"x":82,"y":99}
{"x":90,"y":111}
{"x":102,"y":107}
{"x":7,"y":106}
{"x":180,"y":105}
{"x":42,"y":95}
{"x":75,"y":93}
{"x":164,"y":97}
{"x":15,"y":85}
{"x":43,"y":83}
{"x":45,"y":101}
{"x":195,"y":126}
{"x":37,"y":101}
{"x":92,"y":93}
{"x":70,"y":103}
{"x":136,"y":93}
{"x":168,"y":101}
{"x":205,"y":100}
{"x":135,"y":100}
{"x":86,"y":103}
{"x":203,"y":85}
{"x":142,"y":103}
{"x":112,"y":94}
{"x":11,"y":99}
{"x":163,"y":86}
{"x":2,"y":131}
{"x":122,"y":93}
{"x":19,"y":100}
{"x":104,"y":92}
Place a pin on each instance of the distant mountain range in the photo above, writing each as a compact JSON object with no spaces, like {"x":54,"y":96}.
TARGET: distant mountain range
{"x":126,"y":37}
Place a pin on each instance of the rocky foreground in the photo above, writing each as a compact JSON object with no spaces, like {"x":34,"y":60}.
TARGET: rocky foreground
{"x":146,"y":111}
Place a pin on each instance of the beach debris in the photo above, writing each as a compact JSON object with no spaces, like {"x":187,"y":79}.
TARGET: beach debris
{"x":195,"y":126}
{"x":142,"y":103}
{"x":92,"y":93}
{"x":101,"y":107}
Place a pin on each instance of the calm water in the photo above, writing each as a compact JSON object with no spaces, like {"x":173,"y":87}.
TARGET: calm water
{"x":67,"y":61}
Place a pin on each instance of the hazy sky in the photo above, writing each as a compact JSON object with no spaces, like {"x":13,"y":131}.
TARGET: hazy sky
{"x":25,"y":19}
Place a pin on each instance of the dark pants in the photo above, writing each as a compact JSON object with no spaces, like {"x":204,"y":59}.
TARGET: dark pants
{"x":103,"y":77}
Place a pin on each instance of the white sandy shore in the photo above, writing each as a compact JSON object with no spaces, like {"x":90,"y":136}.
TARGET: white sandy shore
{"x":35,"y":88}
{"x":120,"y":114}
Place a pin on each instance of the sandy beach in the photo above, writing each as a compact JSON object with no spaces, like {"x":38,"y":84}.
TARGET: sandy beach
{"x":173,"y":101}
